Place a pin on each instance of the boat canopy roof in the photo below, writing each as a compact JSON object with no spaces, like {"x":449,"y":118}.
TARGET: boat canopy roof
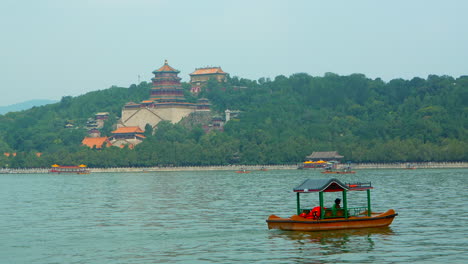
{"x":330,"y":185}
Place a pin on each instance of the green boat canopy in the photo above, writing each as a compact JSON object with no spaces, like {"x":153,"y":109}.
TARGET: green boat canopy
{"x":330,"y":185}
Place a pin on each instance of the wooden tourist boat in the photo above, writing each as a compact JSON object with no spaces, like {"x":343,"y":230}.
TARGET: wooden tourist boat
{"x":332,"y":219}
{"x":80,"y":169}
{"x":242,"y":171}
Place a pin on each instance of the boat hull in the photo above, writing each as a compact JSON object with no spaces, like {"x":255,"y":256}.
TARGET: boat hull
{"x":68,"y":172}
{"x":298,"y":223}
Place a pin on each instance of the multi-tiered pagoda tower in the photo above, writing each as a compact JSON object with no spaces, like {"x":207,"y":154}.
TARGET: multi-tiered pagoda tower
{"x":166,"y":86}
{"x":166,"y":102}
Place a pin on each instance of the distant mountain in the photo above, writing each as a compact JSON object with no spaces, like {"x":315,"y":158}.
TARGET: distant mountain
{"x":24,"y":105}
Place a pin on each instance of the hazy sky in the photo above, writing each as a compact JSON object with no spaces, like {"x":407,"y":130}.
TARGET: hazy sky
{"x":55,"y":48}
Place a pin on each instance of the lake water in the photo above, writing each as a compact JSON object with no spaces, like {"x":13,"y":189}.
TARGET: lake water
{"x":219,"y":217}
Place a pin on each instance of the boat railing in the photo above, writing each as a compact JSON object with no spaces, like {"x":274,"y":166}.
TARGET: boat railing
{"x":352,"y":211}
{"x":357,"y":211}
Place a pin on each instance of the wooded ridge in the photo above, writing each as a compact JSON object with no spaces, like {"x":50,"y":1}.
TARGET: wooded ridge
{"x":281,"y":121}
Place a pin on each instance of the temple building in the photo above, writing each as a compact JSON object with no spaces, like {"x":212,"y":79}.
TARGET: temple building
{"x":331,"y":156}
{"x":94,"y":132}
{"x":101,"y":118}
{"x":231,"y":114}
{"x":200,"y":77}
{"x":166,"y":102}
{"x":96,"y":142}
{"x":167,"y":88}
{"x":130,"y":136}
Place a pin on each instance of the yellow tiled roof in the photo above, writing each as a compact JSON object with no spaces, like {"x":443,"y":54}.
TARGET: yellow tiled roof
{"x":123,"y":130}
{"x":166,"y":67}
{"x":210,"y":70}
{"x":95,"y":141}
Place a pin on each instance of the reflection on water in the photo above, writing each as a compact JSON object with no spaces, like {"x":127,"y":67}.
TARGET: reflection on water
{"x":335,"y":242}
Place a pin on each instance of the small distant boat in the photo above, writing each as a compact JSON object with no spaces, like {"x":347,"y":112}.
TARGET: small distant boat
{"x":330,"y":170}
{"x":263,"y":169}
{"x":80,"y":169}
{"x":242,"y":171}
{"x":308,"y":219}
{"x":410,"y":167}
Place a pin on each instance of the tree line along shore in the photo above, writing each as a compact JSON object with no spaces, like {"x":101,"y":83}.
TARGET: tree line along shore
{"x":355,"y":166}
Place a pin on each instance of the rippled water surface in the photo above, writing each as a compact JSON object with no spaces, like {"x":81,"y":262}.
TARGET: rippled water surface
{"x":219,"y":217}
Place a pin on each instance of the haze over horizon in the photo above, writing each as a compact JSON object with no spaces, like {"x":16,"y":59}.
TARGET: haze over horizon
{"x":55,"y":48}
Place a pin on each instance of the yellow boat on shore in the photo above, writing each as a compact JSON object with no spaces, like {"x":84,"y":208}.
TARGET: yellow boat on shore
{"x":80,"y":169}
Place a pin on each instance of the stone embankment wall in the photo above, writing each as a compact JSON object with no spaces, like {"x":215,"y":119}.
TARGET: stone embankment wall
{"x":416,"y":165}
{"x":198,"y":168}
{"x":24,"y":170}
{"x":355,"y":166}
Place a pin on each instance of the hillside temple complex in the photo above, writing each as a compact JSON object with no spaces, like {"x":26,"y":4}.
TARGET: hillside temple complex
{"x":166,"y":103}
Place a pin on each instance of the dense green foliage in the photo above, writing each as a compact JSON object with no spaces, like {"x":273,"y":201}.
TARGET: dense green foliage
{"x":281,"y":121}
{"x":42,"y":129}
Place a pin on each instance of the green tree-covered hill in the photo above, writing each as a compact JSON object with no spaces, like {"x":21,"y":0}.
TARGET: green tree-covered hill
{"x":281,"y":121}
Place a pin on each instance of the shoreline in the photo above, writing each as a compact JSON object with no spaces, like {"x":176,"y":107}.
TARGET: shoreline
{"x":355,"y":166}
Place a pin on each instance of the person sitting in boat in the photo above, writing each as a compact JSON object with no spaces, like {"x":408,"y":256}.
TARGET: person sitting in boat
{"x":337,"y":203}
{"x":336,"y":206}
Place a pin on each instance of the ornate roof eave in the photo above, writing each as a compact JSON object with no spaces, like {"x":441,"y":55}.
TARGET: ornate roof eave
{"x":325,"y":155}
{"x":166,"y":68}
{"x":208,"y":71}
{"x":211,"y":73}
{"x":319,"y":185}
